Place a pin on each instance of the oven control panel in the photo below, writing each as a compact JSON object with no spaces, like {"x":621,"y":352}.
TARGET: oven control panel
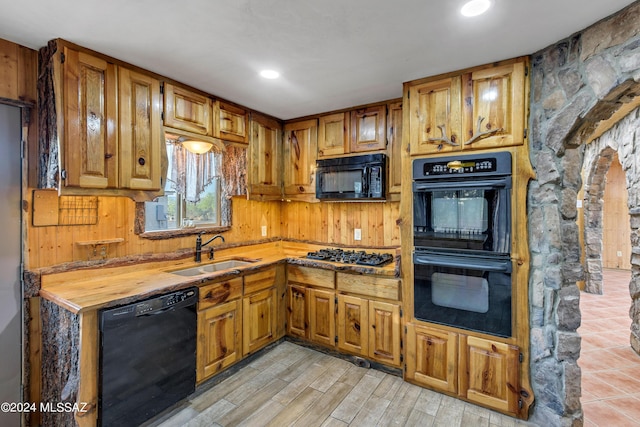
{"x":497,"y":163}
{"x":460,"y":167}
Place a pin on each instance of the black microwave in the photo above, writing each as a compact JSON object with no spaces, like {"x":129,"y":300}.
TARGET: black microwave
{"x":351,"y":178}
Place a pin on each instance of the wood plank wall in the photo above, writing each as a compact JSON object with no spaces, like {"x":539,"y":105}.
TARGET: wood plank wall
{"x":333,"y":223}
{"x":616,"y":228}
{"x":52,"y":245}
{"x":330,"y":223}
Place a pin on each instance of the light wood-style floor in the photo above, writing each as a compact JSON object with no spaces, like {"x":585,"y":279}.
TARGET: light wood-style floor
{"x":298,"y":386}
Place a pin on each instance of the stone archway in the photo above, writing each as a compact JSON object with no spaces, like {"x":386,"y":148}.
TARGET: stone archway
{"x":576,"y":85}
{"x":597,"y":161}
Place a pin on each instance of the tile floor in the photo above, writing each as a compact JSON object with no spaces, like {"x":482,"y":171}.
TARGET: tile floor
{"x":610,"y":369}
{"x":297,"y":386}
{"x":293,"y":385}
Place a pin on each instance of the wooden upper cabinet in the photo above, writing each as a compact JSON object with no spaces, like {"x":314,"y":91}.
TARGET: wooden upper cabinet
{"x":489,"y":373}
{"x":141,"y":138}
{"x":89,"y":112}
{"x":435,"y":116}
{"x":187,"y":110}
{"x":368,"y":129}
{"x":484,"y":107}
{"x":394,"y":149}
{"x":333,"y":135}
{"x":231,"y":123}
{"x":300,"y":148}
{"x":264,"y":169}
{"x":497,"y":114}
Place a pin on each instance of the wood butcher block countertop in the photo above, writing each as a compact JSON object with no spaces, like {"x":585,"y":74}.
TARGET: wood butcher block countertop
{"x":101,"y":287}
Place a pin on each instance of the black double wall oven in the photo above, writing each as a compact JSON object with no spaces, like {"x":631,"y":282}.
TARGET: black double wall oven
{"x":462,"y":242}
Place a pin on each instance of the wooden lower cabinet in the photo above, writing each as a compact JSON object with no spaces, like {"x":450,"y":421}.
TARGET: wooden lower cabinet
{"x":432,"y":358}
{"x":478,"y":370}
{"x":219,"y":338}
{"x":260,"y":316}
{"x":322,"y":323}
{"x":384,"y":332}
{"x":492,"y":370}
{"x":297,"y":311}
{"x":353,"y":324}
{"x":369,"y":328}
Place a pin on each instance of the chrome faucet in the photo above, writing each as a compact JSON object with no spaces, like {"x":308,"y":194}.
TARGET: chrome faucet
{"x":200,"y":245}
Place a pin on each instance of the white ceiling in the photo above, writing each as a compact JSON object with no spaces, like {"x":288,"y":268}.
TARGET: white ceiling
{"x":332,"y":54}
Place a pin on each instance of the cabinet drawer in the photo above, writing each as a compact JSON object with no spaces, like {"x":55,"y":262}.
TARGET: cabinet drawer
{"x":379,"y":287}
{"x":219,"y":292}
{"x":311,"y":276}
{"x":259,"y":281}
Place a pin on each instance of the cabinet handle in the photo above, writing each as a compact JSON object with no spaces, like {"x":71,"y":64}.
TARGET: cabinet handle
{"x":141,"y":161}
{"x":108,"y":156}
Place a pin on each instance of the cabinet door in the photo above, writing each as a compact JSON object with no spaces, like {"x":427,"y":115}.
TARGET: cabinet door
{"x":436,"y":116}
{"x":300,"y":148}
{"x":368,"y":129}
{"x":232,"y":122}
{"x":333,"y":135}
{"x":394,"y":137}
{"x":322,"y":320}
{"x":141,"y":138}
{"x":353,"y":324}
{"x":259,"y":320}
{"x":264,"y":171}
{"x":297,"y":311}
{"x":187,"y":110}
{"x":90,"y":157}
{"x":384,"y":332}
{"x":432,"y":358}
{"x":219,"y":338}
{"x":497,"y":117}
{"x":488,"y":373}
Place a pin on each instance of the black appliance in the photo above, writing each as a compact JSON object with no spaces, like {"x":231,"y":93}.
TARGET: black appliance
{"x":464,"y":291}
{"x":147,"y":357}
{"x":462,"y":241}
{"x":351,"y":257}
{"x":352,"y":178}
{"x":463,"y":203}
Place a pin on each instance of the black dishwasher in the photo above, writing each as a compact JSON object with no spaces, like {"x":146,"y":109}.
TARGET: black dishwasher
{"x":147,"y":357}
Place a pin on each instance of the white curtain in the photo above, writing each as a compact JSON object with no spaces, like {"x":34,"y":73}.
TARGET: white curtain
{"x":190,"y":173}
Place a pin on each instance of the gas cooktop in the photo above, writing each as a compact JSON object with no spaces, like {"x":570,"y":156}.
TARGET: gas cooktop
{"x":351,"y":257}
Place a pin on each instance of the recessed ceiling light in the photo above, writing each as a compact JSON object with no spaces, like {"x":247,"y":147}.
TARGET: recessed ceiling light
{"x":475,"y":7}
{"x":270,"y":74}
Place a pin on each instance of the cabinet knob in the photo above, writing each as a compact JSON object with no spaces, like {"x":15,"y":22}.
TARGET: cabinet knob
{"x":108,"y":156}
{"x":141,"y":161}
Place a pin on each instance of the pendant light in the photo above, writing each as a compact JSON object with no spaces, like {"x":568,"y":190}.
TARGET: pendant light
{"x":196,"y":147}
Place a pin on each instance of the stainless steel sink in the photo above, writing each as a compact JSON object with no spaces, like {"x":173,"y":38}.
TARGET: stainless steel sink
{"x":210,"y":268}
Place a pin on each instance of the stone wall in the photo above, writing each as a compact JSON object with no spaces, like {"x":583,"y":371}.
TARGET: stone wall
{"x":575,"y":84}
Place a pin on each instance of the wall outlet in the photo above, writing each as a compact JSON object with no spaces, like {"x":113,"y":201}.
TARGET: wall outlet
{"x":357,"y":234}
{"x":619,"y":253}
{"x":264,"y":231}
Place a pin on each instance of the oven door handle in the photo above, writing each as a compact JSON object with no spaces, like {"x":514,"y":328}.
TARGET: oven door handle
{"x":504,"y":182}
{"x":486,"y":264}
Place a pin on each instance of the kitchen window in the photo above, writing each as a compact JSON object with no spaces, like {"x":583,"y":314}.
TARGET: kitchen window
{"x":192,"y":192}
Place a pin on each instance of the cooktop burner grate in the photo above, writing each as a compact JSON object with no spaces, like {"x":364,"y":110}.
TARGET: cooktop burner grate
{"x":351,"y":257}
